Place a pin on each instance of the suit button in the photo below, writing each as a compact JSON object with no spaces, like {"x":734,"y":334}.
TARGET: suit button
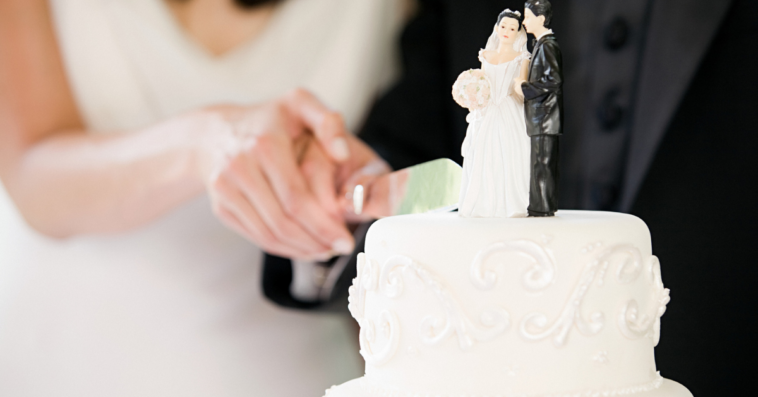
{"x":616,"y":34}
{"x":610,"y":114}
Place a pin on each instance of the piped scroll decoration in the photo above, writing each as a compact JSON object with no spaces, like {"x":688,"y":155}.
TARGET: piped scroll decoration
{"x":389,"y":326}
{"x":390,"y":279}
{"x":391,"y":282}
{"x":492,"y":321}
{"x":367,"y":280}
{"x":392,"y":273}
{"x":570,"y":315}
{"x":535,"y":326}
{"x":539,"y":275}
{"x":635,"y":325}
{"x":628,"y":270}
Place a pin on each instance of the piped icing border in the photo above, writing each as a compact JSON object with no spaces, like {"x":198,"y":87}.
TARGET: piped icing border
{"x":373,"y":390}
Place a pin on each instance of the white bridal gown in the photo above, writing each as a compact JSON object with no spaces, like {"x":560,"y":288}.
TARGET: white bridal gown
{"x":175,"y":308}
{"x":497,"y":150}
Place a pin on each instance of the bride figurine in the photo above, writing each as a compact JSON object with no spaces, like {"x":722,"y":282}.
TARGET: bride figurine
{"x":496,"y":149}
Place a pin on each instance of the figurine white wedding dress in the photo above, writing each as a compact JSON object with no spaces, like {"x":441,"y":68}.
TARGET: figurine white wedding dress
{"x":175,"y":308}
{"x":496,"y":150}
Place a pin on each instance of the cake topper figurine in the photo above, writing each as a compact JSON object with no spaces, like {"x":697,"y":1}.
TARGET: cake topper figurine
{"x":496,"y":149}
{"x":543,"y":106}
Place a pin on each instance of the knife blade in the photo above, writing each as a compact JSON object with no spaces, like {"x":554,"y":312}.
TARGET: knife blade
{"x":433,"y":186}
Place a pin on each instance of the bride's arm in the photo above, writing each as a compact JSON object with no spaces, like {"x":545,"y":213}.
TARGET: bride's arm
{"x":67,"y":181}
{"x":523,"y":75}
{"x":524,"y":69}
{"x":62,"y":180}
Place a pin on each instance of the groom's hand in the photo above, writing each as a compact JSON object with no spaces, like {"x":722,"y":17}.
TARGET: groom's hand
{"x":270,"y":184}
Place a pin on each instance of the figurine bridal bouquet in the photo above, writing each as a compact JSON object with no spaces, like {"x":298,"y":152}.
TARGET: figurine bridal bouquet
{"x":472,"y":89}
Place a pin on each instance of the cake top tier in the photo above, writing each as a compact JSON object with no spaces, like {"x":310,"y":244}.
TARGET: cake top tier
{"x":480,"y":306}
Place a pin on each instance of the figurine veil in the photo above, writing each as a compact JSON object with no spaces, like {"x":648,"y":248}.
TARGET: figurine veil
{"x":493,"y":42}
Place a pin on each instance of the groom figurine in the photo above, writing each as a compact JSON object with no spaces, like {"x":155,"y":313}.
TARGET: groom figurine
{"x":543,"y":108}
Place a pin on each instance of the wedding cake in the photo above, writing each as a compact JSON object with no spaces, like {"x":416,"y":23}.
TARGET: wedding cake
{"x":531,"y":307}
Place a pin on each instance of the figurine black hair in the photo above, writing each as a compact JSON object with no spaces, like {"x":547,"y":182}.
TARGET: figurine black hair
{"x":510,"y":14}
{"x":541,"y":7}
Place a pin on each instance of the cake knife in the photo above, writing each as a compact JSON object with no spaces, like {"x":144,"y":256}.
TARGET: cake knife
{"x":433,"y":186}
{"x":373,"y":193}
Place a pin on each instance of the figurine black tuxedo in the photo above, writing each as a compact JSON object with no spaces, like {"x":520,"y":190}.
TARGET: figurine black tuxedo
{"x":543,"y":108}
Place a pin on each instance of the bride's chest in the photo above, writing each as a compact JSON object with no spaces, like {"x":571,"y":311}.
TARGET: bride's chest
{"x":501,"y":75}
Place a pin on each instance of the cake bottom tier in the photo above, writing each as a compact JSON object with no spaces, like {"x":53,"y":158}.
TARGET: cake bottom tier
{"x":360,"y":387}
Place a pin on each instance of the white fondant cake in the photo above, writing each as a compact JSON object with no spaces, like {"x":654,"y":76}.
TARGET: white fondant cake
{"x":561,"y":306}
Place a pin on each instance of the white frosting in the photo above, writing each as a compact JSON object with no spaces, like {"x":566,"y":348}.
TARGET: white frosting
{"x":658,"y":388}
{"x":561,"y":306}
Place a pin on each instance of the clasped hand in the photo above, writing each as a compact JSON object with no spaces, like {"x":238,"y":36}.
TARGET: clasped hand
{"x":517,"y":86}
{"x":273,"y":173}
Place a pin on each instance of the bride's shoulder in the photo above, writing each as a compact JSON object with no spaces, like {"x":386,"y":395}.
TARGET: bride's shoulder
{"x":486,"y":55}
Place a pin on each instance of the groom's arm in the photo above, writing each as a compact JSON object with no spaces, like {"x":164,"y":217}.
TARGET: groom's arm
{"x":312,"y":285}
{"x":550,"y":80}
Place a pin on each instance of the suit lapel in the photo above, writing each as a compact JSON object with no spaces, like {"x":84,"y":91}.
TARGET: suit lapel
{"x":536,"y":45}
{"x":534,"y":54}
{"x":678,"y":36}
{"x":535,"y":50}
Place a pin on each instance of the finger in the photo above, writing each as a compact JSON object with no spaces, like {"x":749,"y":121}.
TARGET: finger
{"x":326,"y":125}
{"x":280,"y":169}
{"x":247,"y":175}
{"x":232,"y":222}
{"x":318,"y":172}
{"x":232,"y":209}
{"x":361,"y":155}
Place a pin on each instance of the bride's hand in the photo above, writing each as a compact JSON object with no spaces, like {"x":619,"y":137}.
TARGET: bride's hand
{"x":249,"y":159}
{"x":517,"y":86}
{"x":332,"y":182}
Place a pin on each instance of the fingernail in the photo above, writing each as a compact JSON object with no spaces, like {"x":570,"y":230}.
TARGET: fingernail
{"x":343,"y":246}
{"x":339,"y":149}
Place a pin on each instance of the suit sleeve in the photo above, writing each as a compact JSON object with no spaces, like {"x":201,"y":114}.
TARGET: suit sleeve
{"x":551,"y":79}
{"x":417,"y":119}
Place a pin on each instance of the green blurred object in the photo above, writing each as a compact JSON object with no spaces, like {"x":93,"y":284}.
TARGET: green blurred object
{"x":433,"y":186}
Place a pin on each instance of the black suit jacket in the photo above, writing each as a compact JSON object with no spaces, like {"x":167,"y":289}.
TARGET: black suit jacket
{"x":543,"y":90}
{"x":691,"y":169}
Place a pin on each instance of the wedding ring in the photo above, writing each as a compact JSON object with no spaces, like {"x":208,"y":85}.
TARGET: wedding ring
{"x":358,"y":199}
